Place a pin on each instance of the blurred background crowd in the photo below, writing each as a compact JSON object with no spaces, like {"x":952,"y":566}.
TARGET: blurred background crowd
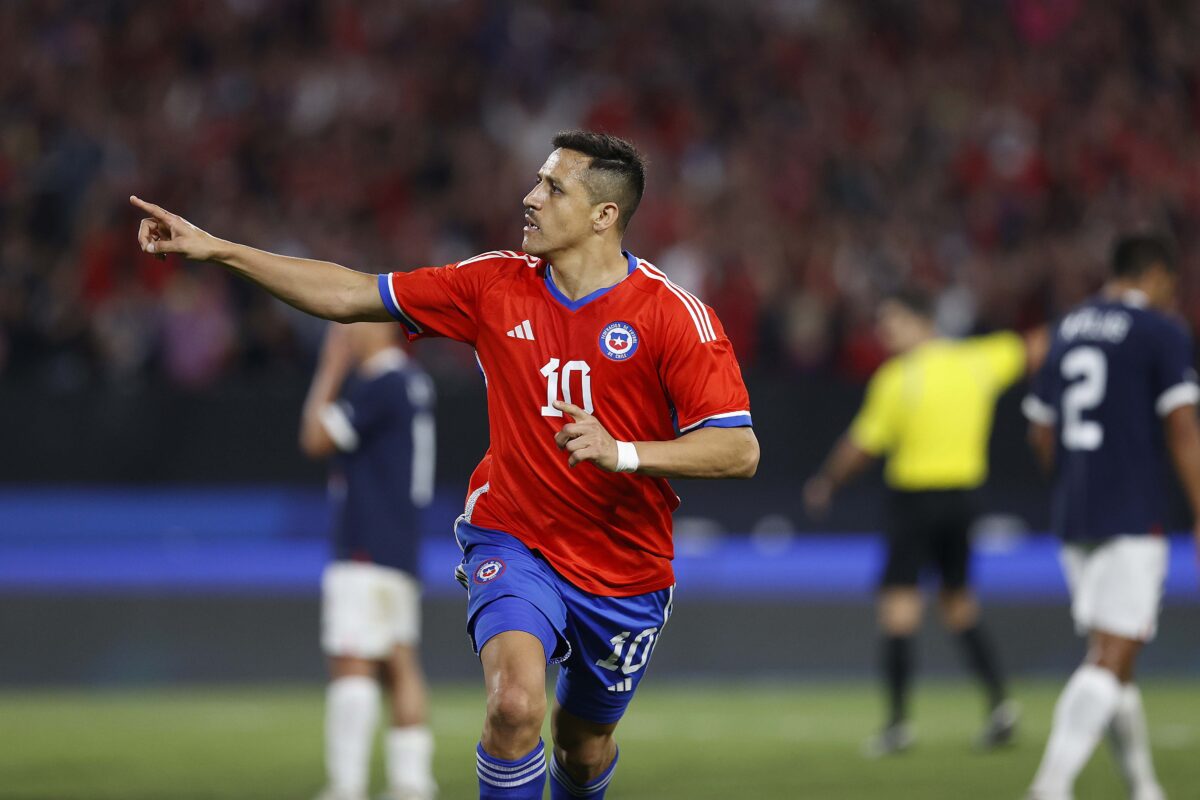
{"x":807,"y":155}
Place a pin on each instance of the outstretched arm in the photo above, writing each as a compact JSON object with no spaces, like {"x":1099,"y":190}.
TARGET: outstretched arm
{"x":844,"y":463}
{"x":320,"y":288}
{"x":702,"y":453}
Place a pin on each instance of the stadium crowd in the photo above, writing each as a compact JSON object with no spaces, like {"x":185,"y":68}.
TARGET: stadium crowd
{"x":807,"y":155}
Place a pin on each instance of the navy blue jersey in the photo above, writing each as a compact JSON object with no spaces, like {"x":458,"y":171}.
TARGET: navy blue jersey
{"x":1114,"y":370}
{"x":383,"y":473}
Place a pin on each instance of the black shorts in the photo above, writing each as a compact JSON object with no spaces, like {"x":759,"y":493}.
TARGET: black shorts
{"x":929,"y":528}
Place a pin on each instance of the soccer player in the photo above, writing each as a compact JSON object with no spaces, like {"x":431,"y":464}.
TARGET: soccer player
{"x":1118,"y":383}
{"x":604,"y":379}
{"x":929,"y":412}
{"x":371,"y":408}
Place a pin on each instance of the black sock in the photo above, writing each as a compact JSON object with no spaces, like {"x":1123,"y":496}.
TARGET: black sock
{"x":897,"y":670}
{"x":982,"y":661}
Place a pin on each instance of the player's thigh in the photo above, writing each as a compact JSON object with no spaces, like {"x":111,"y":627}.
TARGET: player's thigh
{"x":358,"y":609}
{"x":950,"y":543}
{"x":906,"y":539}
{"x":1116,"y":587}
{"x":402,"y":600}
{"x":612,"y":639}
{"x":501,"y":568}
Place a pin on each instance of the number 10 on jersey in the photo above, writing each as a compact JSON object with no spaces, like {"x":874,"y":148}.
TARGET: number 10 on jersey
{"x":558,"y":385}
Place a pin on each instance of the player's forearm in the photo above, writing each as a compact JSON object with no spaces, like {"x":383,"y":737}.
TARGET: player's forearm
{"x":334,"y":364}
{"x":1183,"y":441}
{"x":703,"y":453}
{"x":845,"y":462}
{"x":1041,"y":441}
{"x":320,"y":288}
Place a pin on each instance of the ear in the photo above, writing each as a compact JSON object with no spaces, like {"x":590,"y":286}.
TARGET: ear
{"x":605,"y":216}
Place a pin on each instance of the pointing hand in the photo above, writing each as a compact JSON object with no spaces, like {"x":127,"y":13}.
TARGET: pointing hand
{"x":585,"y":439}
{"x":163,"y":232}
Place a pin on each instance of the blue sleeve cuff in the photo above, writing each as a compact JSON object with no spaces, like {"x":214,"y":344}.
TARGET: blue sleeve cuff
{"x":393,"y":308}
{"x":738,"y":419}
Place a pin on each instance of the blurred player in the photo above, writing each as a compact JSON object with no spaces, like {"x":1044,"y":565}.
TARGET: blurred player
{"x":567,"y":530}
{"x":929,"y":412}
{"x":1119,"y":379}
{"x":371,"y":408}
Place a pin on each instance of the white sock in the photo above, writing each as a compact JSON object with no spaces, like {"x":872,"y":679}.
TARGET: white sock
{"x":1131,"y":744}
{"x":1083,"y":712}
{"x":351,"y":711}
{"x":409,"y":759}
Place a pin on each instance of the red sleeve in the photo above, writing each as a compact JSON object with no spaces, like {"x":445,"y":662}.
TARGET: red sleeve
{"x":438,"y":301}
{"x":701,"y":372}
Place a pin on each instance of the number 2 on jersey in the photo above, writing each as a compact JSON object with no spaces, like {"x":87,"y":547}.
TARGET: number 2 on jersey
{"x":1088,"y":368}
{"x":555,"y":380}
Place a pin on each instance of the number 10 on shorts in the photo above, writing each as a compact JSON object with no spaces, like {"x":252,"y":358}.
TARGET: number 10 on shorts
{"x":622,"y":659}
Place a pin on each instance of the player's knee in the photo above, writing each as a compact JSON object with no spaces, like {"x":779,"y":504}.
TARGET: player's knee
{"x":513,"y":709}
{"x":959,"y":610}
{"x":900,"y":610}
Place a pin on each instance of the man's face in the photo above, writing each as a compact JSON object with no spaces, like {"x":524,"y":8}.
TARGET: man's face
{"x":1159,"y":285}
{"x":558,"y":210}
{"x":898,"y":327}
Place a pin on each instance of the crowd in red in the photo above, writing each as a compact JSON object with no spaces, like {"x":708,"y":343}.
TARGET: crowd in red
{"x":806,"y":156}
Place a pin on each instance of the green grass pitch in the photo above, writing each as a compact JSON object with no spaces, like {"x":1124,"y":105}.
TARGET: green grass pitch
{"x":679,"y":742}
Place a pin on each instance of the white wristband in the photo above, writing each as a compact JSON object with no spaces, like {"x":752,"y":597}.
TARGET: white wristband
{"x":627,"y":457}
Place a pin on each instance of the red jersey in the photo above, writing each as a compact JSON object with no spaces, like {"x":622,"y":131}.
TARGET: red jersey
{"x":645,"y":357}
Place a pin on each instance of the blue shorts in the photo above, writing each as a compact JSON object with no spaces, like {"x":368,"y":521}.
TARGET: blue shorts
{"x":602,"y":644}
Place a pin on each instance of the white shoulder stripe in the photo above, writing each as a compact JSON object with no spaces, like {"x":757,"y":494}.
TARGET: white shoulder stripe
{"x":699,"y":315}
{"x":485,"y":257}
{"x":697,"y":303}
{"x":530,"y":261}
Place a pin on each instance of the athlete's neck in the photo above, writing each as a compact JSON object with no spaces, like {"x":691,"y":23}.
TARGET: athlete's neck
{"x":578,"y":273}
{"x":1128,"y":291}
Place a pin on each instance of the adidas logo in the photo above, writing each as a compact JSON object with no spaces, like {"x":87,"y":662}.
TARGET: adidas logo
{"x":522,"y":331}
{"x":622,"y":686}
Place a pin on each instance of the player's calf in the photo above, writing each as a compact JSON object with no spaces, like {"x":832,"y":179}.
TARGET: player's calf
{"x":583,"y":750}
{"x":567,"y":783}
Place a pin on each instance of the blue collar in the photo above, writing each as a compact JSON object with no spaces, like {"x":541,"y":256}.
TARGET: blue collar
{"x":575,"y":305}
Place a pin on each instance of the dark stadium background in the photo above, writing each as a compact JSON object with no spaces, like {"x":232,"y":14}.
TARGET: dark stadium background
{"x":156,"y":517}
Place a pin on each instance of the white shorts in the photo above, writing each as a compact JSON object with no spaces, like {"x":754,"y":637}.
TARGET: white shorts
{"x":367,"y":609}
{"x":1117,"y":587}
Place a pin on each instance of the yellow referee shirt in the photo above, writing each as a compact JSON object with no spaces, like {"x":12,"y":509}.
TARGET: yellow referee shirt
{"x":929,"y":411}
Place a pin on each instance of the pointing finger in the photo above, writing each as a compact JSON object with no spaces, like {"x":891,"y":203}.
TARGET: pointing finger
{"x":157,"y":212}
{"x":575,"y":411}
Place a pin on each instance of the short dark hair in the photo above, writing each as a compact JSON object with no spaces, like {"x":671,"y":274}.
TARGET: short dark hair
{"x":1134,"y":254}
{"x":620,"y":169}
{"x":914,"y":299}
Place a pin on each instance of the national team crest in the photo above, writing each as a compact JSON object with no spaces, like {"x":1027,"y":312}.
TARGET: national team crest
{"x":618,"y":341}
{"x":489,"y":570}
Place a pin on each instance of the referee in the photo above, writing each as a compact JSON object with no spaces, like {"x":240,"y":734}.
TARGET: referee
{"x":928,"y":411}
